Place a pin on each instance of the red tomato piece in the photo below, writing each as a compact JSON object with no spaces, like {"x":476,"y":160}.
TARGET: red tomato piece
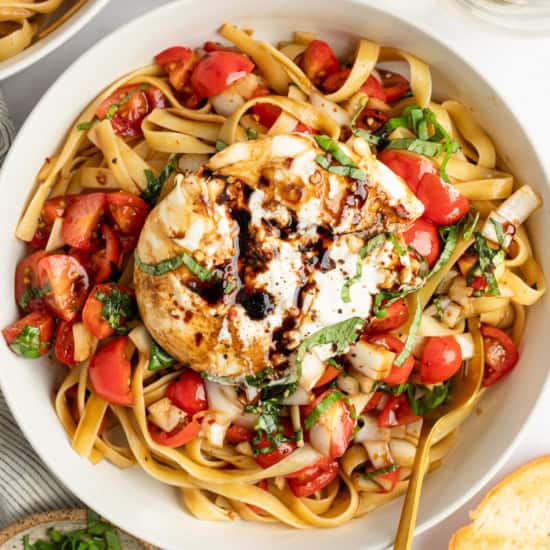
{"x":397,"y":315}
{"x":441,"y":359}
{"x":38,"y":319}
{"x":110,"y":371}
{"x":175,"y":54}
{"x":27,"y":284}
{"x":398,"y":375}
{"x":304,"y":129}
{"x":372,"y":119}
{"x":68,"y":282}
{"x":328,"y":376}
{"x":313,"y":478}
{"x":107,"y":258}
{"x":238,"y":434}
{"x":64,"y":342}
{"x":443,"y":203}
{"x":423,"y":236}
{"x":410,"y":166}
{"x":81,"y":220}
{"x":267,"y":459}
{"x":395,"y":86}
{"x":396,"y":412}
{"x":373,"y":88}
{"x":479,"y":283}
{"x":267,"y":114}
{"x":216,"y":71}
{"x":335,"y":80}
{"x":375,"y":401}
{"x":211,"y":46}
{"x":178,"y":62}
{"x":127,"y":211}
{"x":388,"y":480}
{"x":319,"y":61}
{"x":188,"y":392}
{"x":177,"y":437}
{"x":52,"y":209}
{"x":501,"y":354}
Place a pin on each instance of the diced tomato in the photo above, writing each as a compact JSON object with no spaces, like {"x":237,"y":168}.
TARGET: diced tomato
{"x":110,"y":371}
{"x":501,"y":354}
{"x":216,"y":71}
{"x":238,"y":434}
{"x":27,"y":285}
{"x":318,"y":61}
{"x":479,"y":283}
{"x":127,"y":211}
{"x":374,"y":401}
{"x":373,"y":88}
{"x":178,"y":62}
{"x":371,"y":119}
{"x":68,"y":283}
{"x":441,"y":359}
{"x":52,"y":209}
{"x":335,"y":80}
{"x":211,"y":46}
{"x":64,"y":342}
{"x":396,"y":315}
{"x":395,"y":86}
{"x":26,"y":348}
{"x":175,"y":54}
{"x":396,"y":412}
{"x":443,"y":203}
{"x":410,"y":166}
{"x":328,"y":376}
{"x":423,"y":236}
{"x":188,"y":392}
{"x":106,"y":260}
{"x":176,"y":438}
{"x":387,"y":480}
{"x":267,"y":114}
{"x":304,"y":129}
{"x":398,"y":375}
{"x":313,"y":478}
{"x":267,"y":459}
{"x":81,"y":220}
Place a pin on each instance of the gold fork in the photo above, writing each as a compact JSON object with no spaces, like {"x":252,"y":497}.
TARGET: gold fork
{"x":442,"y":420}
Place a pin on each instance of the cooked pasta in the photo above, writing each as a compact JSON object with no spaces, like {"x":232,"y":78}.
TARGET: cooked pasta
{"x":264,"y":265}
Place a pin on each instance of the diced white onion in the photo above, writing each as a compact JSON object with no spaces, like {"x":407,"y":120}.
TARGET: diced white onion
{"x":459,"y":291}
{"x":359,"y":401}
{"x":347,"y":384}
{"x":299,"y":397}
{"x":446,"y":281}
{"x":372,"y":360}
{"x":214,"y":429}
{"x":244,"y":448}
{"x":370,"y":431}
{"x":165,"y":414}
{"x":247,"y":420}
{"x":466,"y":343}
{"x":223,"y":400}
{"x":379,"y":453}
{"x":413,"y":429}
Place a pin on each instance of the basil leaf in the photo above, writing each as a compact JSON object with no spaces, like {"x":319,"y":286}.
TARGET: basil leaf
{"x":429,"y":400}
{"x":228,"y":286}
{"x":220,"y":145}
{"x":332,"y":147}
{"x":201,"y":272}
{"x":27,"y":344}
{"x":498,"y":231}
{"x":251,"y":133}
{"x":380,"y":471}
{"x":159,"y":359}
{"x":118,"y":308}
{"x":422,"y":147}
{"x":449,"y":235}
{"x":362,"y":104}
{"x":470,"y":224}
{"x":33,"y":293}
{"x":438,"y":308}
{"x":389,"y":297}
{"x":367,"y":136}
{"x":485,"y":261}
{"x":395,"y":243}
{"x":83,"y":126}
{"x":321,"y":407}
{"x":409,"y":342}
{"x":322,"y":161}
{"x":154,"y":185}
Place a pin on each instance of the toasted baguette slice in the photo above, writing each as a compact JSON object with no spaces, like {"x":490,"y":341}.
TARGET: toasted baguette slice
{"x":514,"y":515}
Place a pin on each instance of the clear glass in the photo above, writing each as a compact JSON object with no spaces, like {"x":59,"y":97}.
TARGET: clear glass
{"x":514,"y":14}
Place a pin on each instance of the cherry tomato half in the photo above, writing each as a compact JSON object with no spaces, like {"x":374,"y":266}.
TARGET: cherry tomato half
{"x":373,"y":88}
{"x":110,"y":371}
{"x":267,"y":459}
{"x":68,"y":283}
{"x":127,"y":211}
{"x":176,"y":438}
{"x":238,"y":434}
{"x":105,"y":261}
{"x":313,"y":478}
{"x":52,"y":209}
{"x":396,"y":316}
{"x":501,"y":354}
{"x":395,"y":86}
{"x":81,"y":221}
{"x":27,"y":284}
{"x":398,"y":375}
{"x":28,"y":348}
{"x":267,"y":114}
{"x":388,"y":480}
{"x":64,"y":342}
{"x":410,"y":166}
{"x":319,"y":61}
{"x":178,"y":62}
{"x":423,"y":236}
{"x":441,"y":359}
{"x":396,"y":412}
{"x":335,"y":80}
{"x":188,"y":392}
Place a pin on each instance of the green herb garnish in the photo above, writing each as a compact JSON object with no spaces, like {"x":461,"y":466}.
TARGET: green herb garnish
{"x":429,"y":400}
{"x":321,"y":407}
{"x":367,"y":136}
{"x":409,"y":342}
{"x":251,"y":133}
{"x":154,"y":185}
{"x":159,"y":359}
{"x":83,"y":126}
{"x":118,"y":308}
{"x":414,"y":145}
{"x":449,"y":235}
{"x":470,"y":223}
{"x":487,"y":260}
{"x":438,"y":308}
{"x":201,"y":272}
{"x":220,"y":145}
{"x":395,"y":243}
{"x":332,"y":147}
{"x":27,"y":344}
{"x":32,"y":294}
{"x":380,"y":471}
{"x":498,"y":231}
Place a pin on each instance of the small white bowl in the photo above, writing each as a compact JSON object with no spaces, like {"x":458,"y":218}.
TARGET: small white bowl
{"x":130,"y":498}
{"x":43,"y":47}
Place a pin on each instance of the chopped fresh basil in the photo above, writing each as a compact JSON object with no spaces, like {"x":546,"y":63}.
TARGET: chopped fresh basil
{"x":409,"y":342}
{"x":322,"y":161}
{"x":118,"y":308}
{"x":438,"y":308}
{"x":422,"y":400}
{"x":220,"y":145}
{"x":362,"y":104}
{"x":32,"y":294}
{"x":116,"y":106}
{"x":228,"y":286}
{"x":332,"y":362}
{"x":154,"y":185}
{"x":83,"y":126}
{"x":345,"y":167}
{"x":470,"y":223}
{"x":498,"y":231}
{"x":332,"y":147}
{"x":27,"y":344}
{"x":414,"y":145}
{"x":395,"y":243}
{"x":393,"y":390}
{"x":263,"y":379}
{"x":449,"y":235}
{"x":367,"y":136}
{"x":381,"y":471}
{"x":159,"y":359}
{"x":386,"y":298}
{"x":486,"y":262}
{"x":170,"y":264}
{"x":321,"y":407}
{"x":251,"y":133}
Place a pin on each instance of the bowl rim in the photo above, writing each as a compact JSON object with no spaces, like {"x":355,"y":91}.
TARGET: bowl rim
{"x":418,"y":26}
{"x":42,"y":48}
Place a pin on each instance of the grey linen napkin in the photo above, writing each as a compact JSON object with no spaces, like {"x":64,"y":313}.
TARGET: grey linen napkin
{"x":26,"y":485}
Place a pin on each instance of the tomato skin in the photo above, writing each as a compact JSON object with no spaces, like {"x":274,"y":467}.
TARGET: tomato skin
{"x":53,"y":208}
{"x":178,"y":62}
{"x":441,"y":359}
{"x":176,"y":438}
{"x":373,"y":88}
{"x":398,"y":375}
{"x":175,"y":54}
{"x":26,"y":277}
{"x":318,"y":61}
{"x":479,"y":283}
{"x":39,"y":319}
{"x":335,"y":80}
{"x":64,"y":342}
{"x":82,"y":219}
{"x":423,"y":236}
{"x":402,"y":412}
{"x":443,"y":204}
{"x":397,"y":315}
{"x":110,"y":371}
{"x":392,"y":477}
{"x":311,"y":479}
{"x":238,"y":434}
{"x":410,"y":166}
{"x":127,"y":211}
{"x":395,"y":85}
{"x":328,"y":376}
{"x":188,"y":392}
{"x":374,"y":401}
{"x":267,"y":114}
{"x":501,"y":354}
{"x":106,"y":260}
{"x":216,"y":71}
{"x":284,"y":449}
{"x":68,"y":282}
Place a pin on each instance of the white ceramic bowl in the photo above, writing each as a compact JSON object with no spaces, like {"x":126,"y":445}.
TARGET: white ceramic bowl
{"x":130,"y":498}
{"x":43,"y":47}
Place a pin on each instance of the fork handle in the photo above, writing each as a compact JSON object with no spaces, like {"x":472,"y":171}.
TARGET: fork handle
{"x":407,"y":522}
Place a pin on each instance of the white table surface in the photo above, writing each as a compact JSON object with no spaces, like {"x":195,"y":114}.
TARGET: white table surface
{"x":516,"y":63}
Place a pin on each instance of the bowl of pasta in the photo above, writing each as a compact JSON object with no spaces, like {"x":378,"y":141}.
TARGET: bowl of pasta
{"x":249,"y":261}
{"x":31,"y":30}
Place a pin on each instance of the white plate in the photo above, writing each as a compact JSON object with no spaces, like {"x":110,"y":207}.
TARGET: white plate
{"x":130,"y":498}
{"x":43,"y":47}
